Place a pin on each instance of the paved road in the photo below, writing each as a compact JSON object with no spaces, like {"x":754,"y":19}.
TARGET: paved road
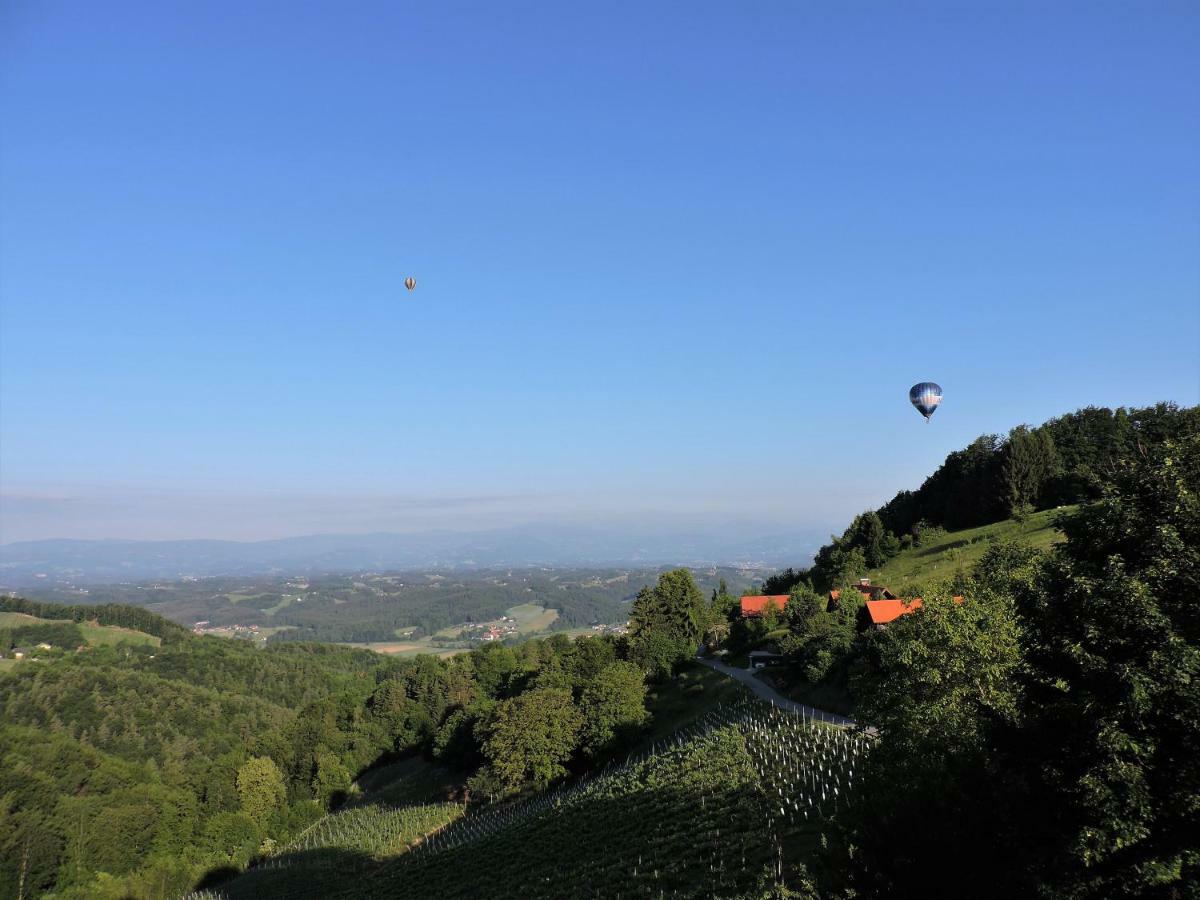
{"x":764,"y":690}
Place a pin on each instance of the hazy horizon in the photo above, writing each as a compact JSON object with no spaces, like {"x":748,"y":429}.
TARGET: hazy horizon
{"x":675,"y":267}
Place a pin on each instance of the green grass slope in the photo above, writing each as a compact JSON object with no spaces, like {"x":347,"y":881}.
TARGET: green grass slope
{"x":944,"y":555}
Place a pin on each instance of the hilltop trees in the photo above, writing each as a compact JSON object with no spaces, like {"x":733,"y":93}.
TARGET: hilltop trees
{"x":1046,"y":728}
{"x":667,"y":622}
{"x":1030,"y":460}
{"x":1114,"y":685}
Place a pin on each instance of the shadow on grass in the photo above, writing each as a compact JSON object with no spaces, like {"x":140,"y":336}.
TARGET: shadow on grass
{"x":307,"y":873}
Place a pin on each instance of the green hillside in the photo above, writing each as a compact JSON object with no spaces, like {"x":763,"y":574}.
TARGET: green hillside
{"x":723,"y":776}
{"x":24,"y":632}
{"x":946,"y":554}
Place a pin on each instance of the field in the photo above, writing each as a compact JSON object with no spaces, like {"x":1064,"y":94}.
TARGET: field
{"x":16,"y":620}
{"x":95,"y":635}
{"x":951,"y":553}
{"x":406,"y":648}
{"x":530,"y":617}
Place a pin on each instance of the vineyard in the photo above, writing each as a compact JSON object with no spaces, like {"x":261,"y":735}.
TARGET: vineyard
{"x":731,"y":805}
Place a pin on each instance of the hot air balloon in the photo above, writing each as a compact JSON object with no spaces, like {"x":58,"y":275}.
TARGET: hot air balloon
{"x":410,"y":282}
{"x":926,"y":397}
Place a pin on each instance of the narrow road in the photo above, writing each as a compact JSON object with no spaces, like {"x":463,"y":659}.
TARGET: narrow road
{"x":766,"y":692}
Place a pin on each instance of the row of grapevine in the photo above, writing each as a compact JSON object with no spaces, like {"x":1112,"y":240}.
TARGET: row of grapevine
{"x":716,"y":809}
{"x":707,"y":812}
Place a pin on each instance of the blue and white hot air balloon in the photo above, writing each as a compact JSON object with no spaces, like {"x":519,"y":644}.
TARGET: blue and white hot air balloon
{"x":926,"y":397}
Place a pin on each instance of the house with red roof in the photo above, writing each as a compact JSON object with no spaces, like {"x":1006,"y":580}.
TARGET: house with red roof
{"x":881,"y":612}
{"x":755,"y":606}
{"x":869,"y":592}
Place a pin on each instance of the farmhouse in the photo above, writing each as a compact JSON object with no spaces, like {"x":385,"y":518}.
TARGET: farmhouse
{"x":868,"y":590}
{"x":755,"y":606}
{"x":883,"y":611}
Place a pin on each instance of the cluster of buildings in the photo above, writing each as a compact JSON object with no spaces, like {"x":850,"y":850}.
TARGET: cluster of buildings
{"x":611,"y":629}
{"x":882,"y":605}
{"x":505,"y":627}
{"x":225,"y":630}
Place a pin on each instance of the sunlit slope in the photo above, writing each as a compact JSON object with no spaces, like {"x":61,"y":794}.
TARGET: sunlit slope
{"x":726,"y":807}
{"x":944,"y":555}
{"x":729,"y":806}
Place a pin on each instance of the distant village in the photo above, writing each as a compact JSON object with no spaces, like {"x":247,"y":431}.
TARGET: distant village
{"x":507,"y":627}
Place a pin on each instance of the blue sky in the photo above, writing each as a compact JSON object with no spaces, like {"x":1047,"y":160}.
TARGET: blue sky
{"x":676,"y":262}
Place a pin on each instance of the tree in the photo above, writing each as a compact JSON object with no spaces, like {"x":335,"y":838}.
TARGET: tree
{"x":781,"y":582}
{"x":1113,"y":692}
{"x":493,"y":665}
{"x":658,"y":654}
{"x":330,"y":780}
{"x":668,"y":620}
{"x":1030,"y":461}
{"x":260,"y":788}
{"x":933,"y":683}
{"x":613,"y":706}
{"x":530,"y":737}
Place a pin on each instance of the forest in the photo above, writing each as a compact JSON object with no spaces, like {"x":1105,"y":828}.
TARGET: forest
{"x":1041,"y":714}
{"x":136,"y":770}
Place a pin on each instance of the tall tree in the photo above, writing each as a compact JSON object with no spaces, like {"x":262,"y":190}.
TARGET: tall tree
{"x":613,"y":706}
{"x":530,"y":737}
{"x":671,"y":614}
{"x":1030,"y":461}
{"x":260,"y":788}
{"x":1112,"y":719}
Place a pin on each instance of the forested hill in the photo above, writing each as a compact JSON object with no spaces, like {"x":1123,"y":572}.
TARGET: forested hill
{"x":1067,"y":460}
{"x":119,"y":614}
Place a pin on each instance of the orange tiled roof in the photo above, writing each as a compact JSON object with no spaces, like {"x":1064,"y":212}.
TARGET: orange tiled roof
{"x":755,"y":605}
{"x":884,"y":611}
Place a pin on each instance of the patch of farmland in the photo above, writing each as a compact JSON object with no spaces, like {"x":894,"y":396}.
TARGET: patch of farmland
{"x":730,"y":807}
{"x":531,"y":617}
{"x":405,"y":648}
{"x":17,"y":620}
{"x":97,"y":635}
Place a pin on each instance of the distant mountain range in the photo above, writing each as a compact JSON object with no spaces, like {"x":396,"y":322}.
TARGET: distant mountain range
{"x":96,"y":561}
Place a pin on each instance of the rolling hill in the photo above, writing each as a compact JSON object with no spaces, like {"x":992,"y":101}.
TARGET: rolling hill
{"x":946,"y":554}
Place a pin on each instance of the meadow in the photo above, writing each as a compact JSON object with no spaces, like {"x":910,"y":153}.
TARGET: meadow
{"x":943,"y":555}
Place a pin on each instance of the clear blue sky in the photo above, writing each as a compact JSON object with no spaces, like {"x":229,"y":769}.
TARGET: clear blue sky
{"x":675,"y":261}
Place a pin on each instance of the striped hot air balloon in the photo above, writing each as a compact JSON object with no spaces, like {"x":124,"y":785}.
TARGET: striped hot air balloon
{"x":926,"y":397}
{"x":410,"y":282}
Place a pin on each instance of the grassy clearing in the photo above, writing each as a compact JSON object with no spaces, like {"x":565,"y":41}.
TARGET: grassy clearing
{"x":405,"y":648}
{"x":6,"y":664}
{"x":530,"y":617}
{"x":956,"y":552}
{"x":237,"y":598}
{"x":16,"y":620}
{"x":282,"y":604}
{"x":100,"y":635}
{"x":95,"y":634}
